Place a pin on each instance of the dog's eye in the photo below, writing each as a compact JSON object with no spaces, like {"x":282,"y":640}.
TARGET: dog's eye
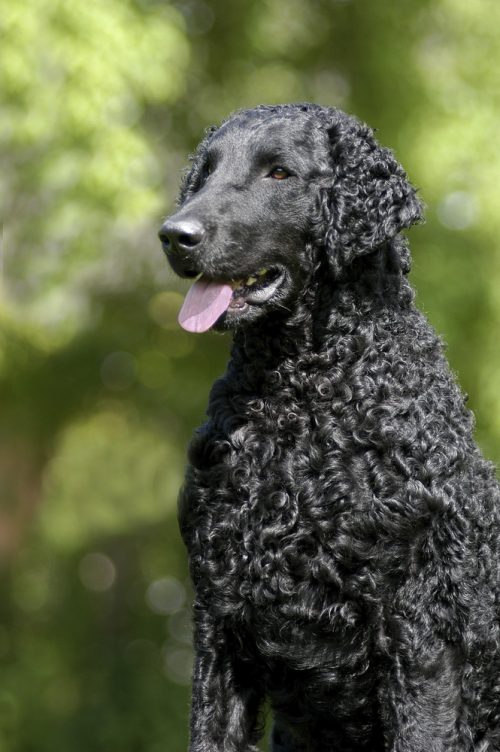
{"x":279,"y":173}
{"x":206,"y":171}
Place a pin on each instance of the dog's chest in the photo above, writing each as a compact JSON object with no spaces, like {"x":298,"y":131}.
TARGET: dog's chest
{"x":265,"y":519}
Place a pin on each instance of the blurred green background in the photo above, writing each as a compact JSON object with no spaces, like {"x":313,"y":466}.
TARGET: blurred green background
{"x":99,"y":388}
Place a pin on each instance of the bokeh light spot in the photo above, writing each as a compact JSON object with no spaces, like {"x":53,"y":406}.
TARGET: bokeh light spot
{"x":165,"y":596}
{"x":458,"y":210}
{"x":97,"y":572}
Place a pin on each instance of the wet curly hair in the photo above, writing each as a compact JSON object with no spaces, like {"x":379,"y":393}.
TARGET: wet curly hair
{"x":341,"y":523}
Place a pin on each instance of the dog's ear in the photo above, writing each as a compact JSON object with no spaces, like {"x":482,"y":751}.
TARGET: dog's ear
{"x":370,"y":199}
{"x":194,"y":176}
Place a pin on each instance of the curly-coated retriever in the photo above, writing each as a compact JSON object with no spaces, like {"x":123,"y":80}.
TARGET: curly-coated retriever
{"x":342,"y":525}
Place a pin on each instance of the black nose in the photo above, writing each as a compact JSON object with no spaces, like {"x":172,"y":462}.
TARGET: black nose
{"x":181,"y":235}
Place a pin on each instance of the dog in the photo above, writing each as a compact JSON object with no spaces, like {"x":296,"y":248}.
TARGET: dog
{"x":341,"y":523}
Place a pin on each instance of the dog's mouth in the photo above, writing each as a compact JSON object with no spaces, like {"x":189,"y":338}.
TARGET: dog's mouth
{"x":255,"y":289}
{"x":209,"y":298}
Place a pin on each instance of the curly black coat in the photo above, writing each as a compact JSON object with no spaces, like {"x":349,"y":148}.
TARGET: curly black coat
{"x":341,"y":523}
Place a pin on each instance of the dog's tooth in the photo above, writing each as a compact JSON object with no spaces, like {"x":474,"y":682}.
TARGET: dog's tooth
{"x":250,"y":281}
{"x":261,"y":272}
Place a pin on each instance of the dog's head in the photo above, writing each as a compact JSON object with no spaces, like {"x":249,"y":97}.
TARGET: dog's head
{"x":269,"y":192}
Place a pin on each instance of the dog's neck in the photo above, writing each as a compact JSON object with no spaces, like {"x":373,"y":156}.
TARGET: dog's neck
{"x":373,"y":288}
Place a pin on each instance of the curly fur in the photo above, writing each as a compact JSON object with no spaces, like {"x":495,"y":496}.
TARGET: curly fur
{"x":341,"y":523}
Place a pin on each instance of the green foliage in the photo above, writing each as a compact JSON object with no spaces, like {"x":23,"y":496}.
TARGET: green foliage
{"x":99,"y":388}
{"x":78,"y":176}
{"x":138,"y":469}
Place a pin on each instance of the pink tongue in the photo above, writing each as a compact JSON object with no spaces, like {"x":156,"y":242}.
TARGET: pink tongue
{"x":203,"y":304}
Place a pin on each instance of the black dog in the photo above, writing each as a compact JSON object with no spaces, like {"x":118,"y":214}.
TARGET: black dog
{"x":342,"y":526}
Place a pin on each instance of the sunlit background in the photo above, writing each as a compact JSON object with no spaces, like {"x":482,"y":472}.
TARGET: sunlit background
{"x":99,"y":389}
